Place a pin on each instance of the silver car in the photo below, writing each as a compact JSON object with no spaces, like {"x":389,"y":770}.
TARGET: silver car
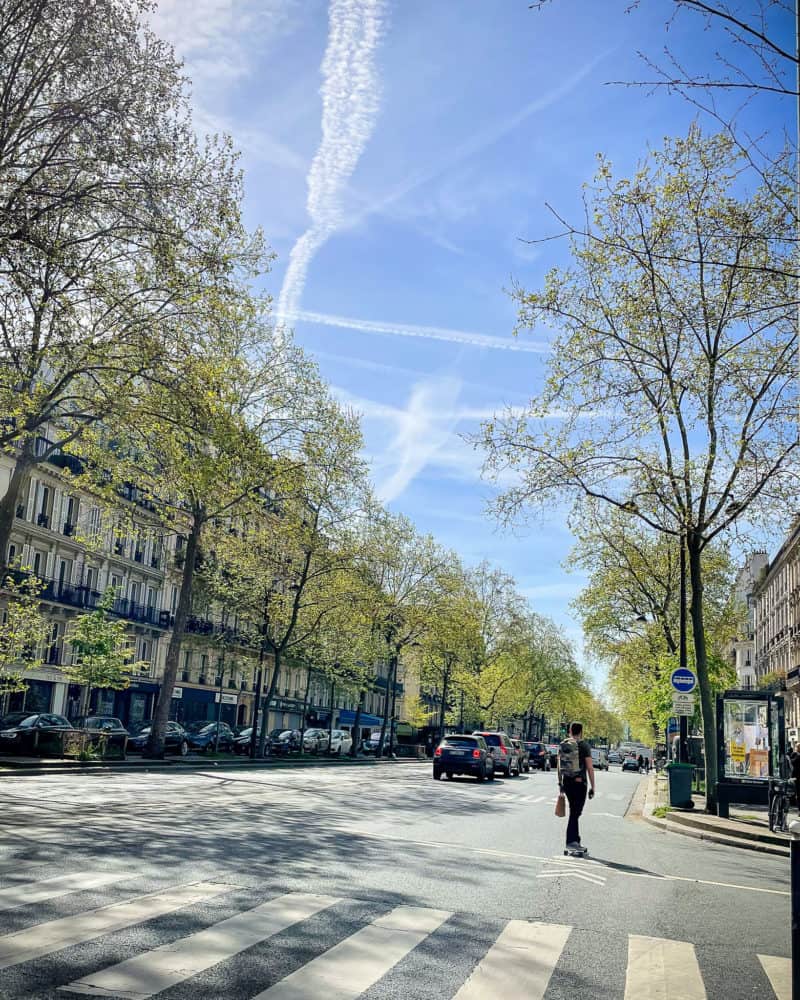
{"x":315,"y":740}
{"x":341,"y":742}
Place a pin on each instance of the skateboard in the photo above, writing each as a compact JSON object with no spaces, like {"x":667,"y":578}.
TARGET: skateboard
{"x":582,"y":853}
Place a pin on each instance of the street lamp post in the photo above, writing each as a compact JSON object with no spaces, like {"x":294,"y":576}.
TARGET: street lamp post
{"x":683,"y":720}
{"x":259,"y":677}
{"x":219,"y":699}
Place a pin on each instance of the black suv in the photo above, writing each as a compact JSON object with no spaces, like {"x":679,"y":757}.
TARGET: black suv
{"x":460,"y":754}
{"x":537,"y":754}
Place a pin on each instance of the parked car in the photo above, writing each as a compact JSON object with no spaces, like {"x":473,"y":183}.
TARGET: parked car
{"x":282,"y":742}
{"x":599,"y":759}
{"x":110,"y":728}
{"x":202,"y":736}
{"x":316,"y":740}
{"x":462,"y":754}
{"x":552,"y":749}
{"x":371,"y":745}
{"x":27,"y":732}
{"x":341,"y":742}
{"x":524,"y":758}
{"x":538,"y":755}
{"x":241,"y":743}
{"x":630,"y":763}
{"x":506,"y":757}
{"x":175,"y":738}
{"x":614,"y":757}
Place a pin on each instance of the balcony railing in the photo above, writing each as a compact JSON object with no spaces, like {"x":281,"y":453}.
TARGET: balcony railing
{"x":43,"y":520}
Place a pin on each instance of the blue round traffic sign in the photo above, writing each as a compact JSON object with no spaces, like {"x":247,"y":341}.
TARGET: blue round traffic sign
{"x":683,"y":680}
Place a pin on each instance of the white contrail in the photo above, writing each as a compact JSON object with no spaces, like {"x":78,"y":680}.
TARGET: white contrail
{"x":426,"y":332}
{"x":350,"y":94}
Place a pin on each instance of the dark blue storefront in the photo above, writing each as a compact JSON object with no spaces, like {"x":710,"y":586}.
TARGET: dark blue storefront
{"x":200,"y":705}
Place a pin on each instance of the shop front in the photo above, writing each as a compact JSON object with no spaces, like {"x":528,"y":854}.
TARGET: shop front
{"x":37,"y":698}
{"x":190,"y":704}
{"x":750,"y":746}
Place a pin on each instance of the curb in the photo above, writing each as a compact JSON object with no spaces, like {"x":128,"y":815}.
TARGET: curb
{"x":119,"y":767}
{"x":698,"y":833}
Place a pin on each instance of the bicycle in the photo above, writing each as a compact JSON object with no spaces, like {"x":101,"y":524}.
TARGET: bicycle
{"x":780,"y":795}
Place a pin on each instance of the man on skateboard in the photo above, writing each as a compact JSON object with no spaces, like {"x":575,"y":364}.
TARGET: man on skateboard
{"x":574,"y":769}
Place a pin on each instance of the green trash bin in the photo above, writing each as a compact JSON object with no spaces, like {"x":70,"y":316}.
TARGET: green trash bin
{"x":680,"y":783}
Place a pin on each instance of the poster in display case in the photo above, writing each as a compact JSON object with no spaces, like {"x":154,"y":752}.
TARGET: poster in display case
{"x":749,"y":736}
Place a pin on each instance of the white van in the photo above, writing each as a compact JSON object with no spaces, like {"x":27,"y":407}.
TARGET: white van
{"x":599,"y":759}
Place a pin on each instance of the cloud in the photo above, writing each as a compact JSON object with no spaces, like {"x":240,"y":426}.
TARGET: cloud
{"x":478,"y":141}
{"x":413,"y":330}
{"x":420,"y":433}
{"x":217,"y":38}
{"x":350,"y":103}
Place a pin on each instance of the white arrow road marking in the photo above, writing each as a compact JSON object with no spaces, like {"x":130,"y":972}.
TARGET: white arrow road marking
{"x":779,"y":973}
{"x":594,"y":879}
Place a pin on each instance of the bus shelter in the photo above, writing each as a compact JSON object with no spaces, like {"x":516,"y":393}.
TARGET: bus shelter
{"x":750,"y":746}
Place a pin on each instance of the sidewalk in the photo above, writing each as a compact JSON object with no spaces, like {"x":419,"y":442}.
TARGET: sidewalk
{"x":55,"y":765}
{"x":747,"y":827}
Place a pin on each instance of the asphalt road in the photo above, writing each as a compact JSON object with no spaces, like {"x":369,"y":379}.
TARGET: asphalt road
{"x":376,"y":883}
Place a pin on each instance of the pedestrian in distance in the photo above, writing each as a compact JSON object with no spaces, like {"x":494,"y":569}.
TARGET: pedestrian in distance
{"x":575,"y":771}
{"x":640,"y":762}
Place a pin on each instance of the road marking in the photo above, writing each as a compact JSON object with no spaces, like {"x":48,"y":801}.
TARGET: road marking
{"x":519,"y":964}
{"x":352,"y":966}
{"x":583,"y":876}
{"x":52,"y":888}
{"x":515,"y":855}
{"x":659,"y":969}
{"x":147,"y":974}
{"x":779,"y":973}
{"x":42,"y":939}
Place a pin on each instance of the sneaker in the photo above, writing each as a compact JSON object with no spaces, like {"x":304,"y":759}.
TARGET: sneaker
{"x":577,"y":847}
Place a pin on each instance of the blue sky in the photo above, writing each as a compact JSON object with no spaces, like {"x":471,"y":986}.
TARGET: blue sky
{"x":397,"y":154}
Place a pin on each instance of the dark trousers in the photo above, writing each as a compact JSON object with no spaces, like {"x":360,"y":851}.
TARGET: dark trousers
{"x":575,"y":792}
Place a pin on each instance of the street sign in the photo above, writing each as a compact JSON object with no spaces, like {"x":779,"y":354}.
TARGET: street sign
{"x":683,"y":680}
{"x":682,"y":704}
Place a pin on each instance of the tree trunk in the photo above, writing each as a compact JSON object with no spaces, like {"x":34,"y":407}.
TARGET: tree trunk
{"x":701,"y":666}
{"x":267,"y":701}
{"x":20,"y":477}
{"x":443,"y":707}
{"x":155,"y":745}
{"x":356,"y":730}
{"x":386,"y":703}
{"x":86,"y":697}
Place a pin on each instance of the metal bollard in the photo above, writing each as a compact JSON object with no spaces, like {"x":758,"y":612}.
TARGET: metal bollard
{"x":794,"y":859}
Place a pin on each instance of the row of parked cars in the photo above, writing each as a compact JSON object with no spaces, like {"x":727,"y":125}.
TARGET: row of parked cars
{"x":32,"y":732}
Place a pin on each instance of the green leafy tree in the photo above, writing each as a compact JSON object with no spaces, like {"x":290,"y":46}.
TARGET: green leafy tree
{"x":103,"y":649}
{"x":116,"y":223}
{"x":23,"y":632}
{"x":673,"y":361}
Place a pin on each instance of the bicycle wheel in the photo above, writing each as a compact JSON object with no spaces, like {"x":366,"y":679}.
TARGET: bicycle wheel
{"x":783,"y":815}
{"x":774,"y":812}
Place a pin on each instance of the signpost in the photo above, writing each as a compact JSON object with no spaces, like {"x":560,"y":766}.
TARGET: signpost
{"x":684,"y":682}
{"x":682,"y":704}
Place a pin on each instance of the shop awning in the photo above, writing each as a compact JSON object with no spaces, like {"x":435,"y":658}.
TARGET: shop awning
{"x":347,"y":718}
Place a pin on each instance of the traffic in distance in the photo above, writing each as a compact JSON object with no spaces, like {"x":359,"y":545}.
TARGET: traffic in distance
{"x":484,"y":754}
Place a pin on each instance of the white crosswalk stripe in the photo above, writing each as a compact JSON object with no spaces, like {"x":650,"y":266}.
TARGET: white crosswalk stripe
{"x":519,"y":964}
{"x":51,"y":888}
{"x":42,"y":939}
{"x":145,"y":975}
{"x":779,"y":973}
{"x":523,"y":961}
{"x":661,"y":970}
{"x":353,"y":965}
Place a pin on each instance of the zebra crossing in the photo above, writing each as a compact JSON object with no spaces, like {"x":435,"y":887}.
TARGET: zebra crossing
{"x":363,"y":943}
